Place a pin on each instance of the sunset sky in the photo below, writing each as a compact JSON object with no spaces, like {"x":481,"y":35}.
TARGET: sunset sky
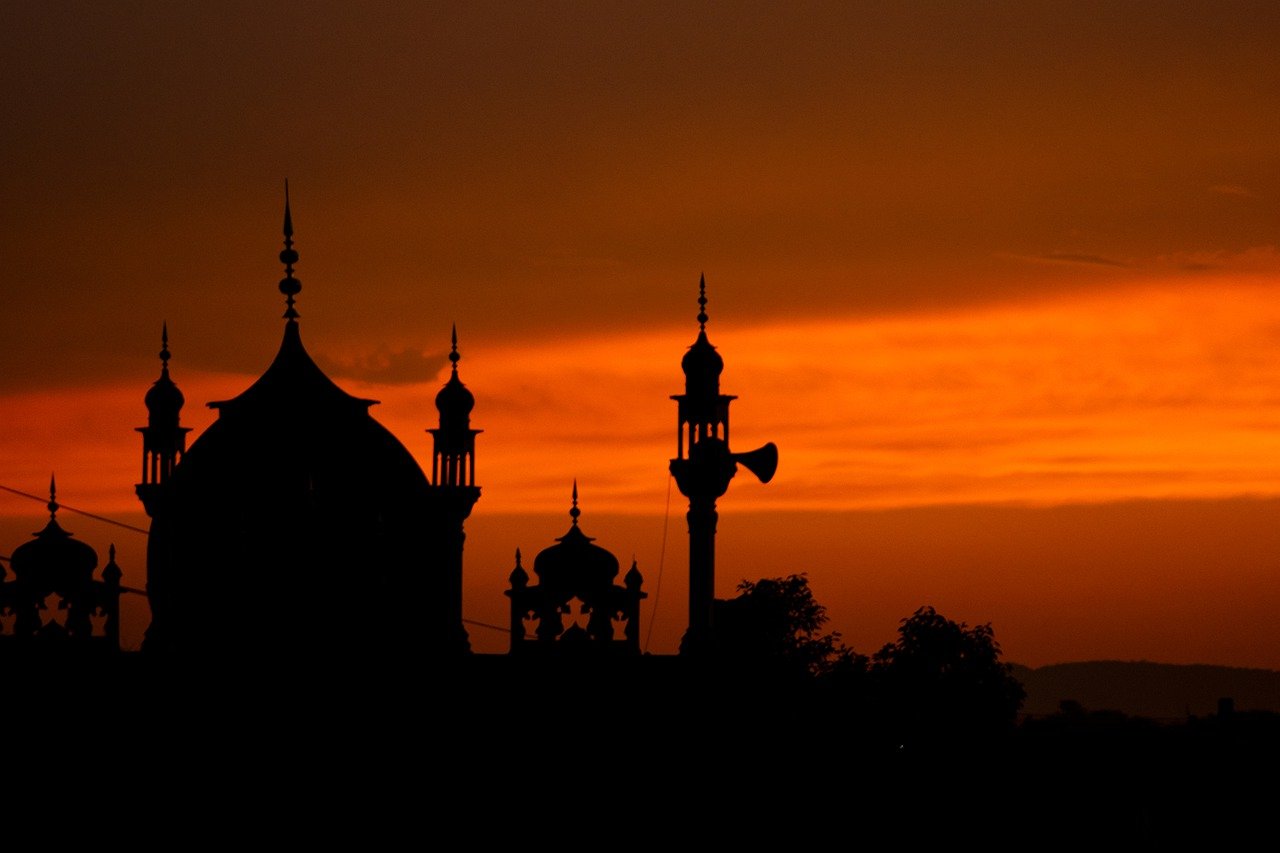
{"x":1000,"y":280}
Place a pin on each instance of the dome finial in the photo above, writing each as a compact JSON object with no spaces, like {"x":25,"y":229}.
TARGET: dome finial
{"x":702,"y":302}
{"x":53,"y":495}
{"x":453,"y":354}
{"x":289,"y":285}
{"x":575,"y":512}
{"x":164,"y":346}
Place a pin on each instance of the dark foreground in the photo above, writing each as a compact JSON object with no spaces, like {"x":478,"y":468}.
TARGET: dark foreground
{"x":493,"y":750}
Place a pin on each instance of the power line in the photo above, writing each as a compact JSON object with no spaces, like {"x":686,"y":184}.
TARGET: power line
{"x":487,"y":625}
{"x":662,"y":559}
{"x":79,"y":511}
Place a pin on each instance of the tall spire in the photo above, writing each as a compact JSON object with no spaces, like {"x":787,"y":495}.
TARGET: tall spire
{"x":53,"y":496}
{"x":164,"y":347}
{"x":702,"y":302}
{"x":453,"y":353}
{"x":575,"y":512}
{"x":289,"y":285}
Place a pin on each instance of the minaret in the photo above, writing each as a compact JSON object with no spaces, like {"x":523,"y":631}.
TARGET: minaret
{"x":164,"y":439}
{"x":703,"y":467}
{"x":454,"y":493}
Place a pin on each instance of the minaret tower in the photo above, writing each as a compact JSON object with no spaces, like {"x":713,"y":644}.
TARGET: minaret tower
{"x":703,"y":467}
{"x":164,"y":439}
{"x":454,"y":493}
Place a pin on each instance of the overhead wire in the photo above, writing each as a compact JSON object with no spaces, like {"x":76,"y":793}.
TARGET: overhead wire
{"x":85,"y":513}
{"x":662,"y":558}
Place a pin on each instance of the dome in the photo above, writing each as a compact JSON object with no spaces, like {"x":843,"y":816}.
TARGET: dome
{"x":53,"y":561}
{"x":294,"y":521}
{"x":575,"y":563}
{"x":163,"y":400}
{"x":454,"y":400}
{"x":702,"y":367}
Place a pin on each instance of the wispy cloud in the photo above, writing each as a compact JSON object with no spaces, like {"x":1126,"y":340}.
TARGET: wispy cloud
{"x":384,"y":365}
{"x":1232,"y":189}
{"x":1077,"y":258}
{"x":1163,"y":391}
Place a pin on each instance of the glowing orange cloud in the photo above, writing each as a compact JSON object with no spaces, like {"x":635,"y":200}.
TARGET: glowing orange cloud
{"x":1145,"y":392}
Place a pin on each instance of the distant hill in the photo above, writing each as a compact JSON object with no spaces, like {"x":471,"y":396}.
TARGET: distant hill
{"x":1144,"y":689}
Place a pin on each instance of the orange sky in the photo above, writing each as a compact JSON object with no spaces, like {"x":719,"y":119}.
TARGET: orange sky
{"x":998,"y":282}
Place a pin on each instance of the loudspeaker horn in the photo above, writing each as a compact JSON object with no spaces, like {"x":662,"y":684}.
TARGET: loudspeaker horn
{"x":763,"y":461}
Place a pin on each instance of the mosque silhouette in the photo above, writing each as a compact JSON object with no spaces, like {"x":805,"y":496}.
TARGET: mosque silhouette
{"x":342,"y":548}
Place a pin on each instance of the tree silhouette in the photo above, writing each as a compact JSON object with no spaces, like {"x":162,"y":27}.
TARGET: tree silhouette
{"x":775,"y":624}
{"x":942,"y":682}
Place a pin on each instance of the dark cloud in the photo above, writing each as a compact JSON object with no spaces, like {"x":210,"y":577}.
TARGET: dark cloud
{"x":1232,"y":189}
{"x":1070,"y":258}
{"x":1090,"y":260}
{"x":385,"y":365}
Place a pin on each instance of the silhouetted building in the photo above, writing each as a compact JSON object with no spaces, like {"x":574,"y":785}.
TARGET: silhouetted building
{"x":703,"y":467}
{"x":575,"y":579}
{"x":296,"y":526}
{"x":452,"y":495}
{"x":54,"y":570}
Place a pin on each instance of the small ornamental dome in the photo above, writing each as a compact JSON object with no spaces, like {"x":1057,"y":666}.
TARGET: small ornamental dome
{"x":454,"y":400}
{"x":164,"y":401}
{"x":702,"y":365}
{"x":574,"y":563}
{"x":53,"y":561}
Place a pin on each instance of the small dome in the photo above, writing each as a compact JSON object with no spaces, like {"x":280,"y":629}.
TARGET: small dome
{"x":53,"y":561}
{"x":574,"y":563}
{"x":702,"y":367}
{"x":454,"y":400}
{"x":163,"y":399}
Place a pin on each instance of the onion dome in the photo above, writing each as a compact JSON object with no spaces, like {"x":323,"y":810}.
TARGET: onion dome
{"x":633,"y":579}
{"x":574,"y":562}
{"x":111,"y":572}
{"x":702,"y":365}
{"x":519,"y":578}
{"x":455,"y":402}
{"x":53,"y":561}
{"x":296,"y":492}
{"x":164,"y":401}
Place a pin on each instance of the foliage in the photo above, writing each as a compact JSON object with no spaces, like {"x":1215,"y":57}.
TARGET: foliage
{"x":777,"y":623}
{"x":940,"y":684}
{"x":944,"y":680}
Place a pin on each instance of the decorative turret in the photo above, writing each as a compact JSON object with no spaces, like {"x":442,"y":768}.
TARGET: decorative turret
{"x":453,"y":461}
{"x":575,"y":569}
{"x":453,"y":493}
{"x":54,"y":566}
{"x":703,"y":411}
{"x":703,"y":467}
{"x":164,"y":439}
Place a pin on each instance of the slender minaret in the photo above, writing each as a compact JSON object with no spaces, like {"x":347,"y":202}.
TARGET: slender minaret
{"x":164,"y":439}
{"x":454,"y":492}
{"x":703,"y":467}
